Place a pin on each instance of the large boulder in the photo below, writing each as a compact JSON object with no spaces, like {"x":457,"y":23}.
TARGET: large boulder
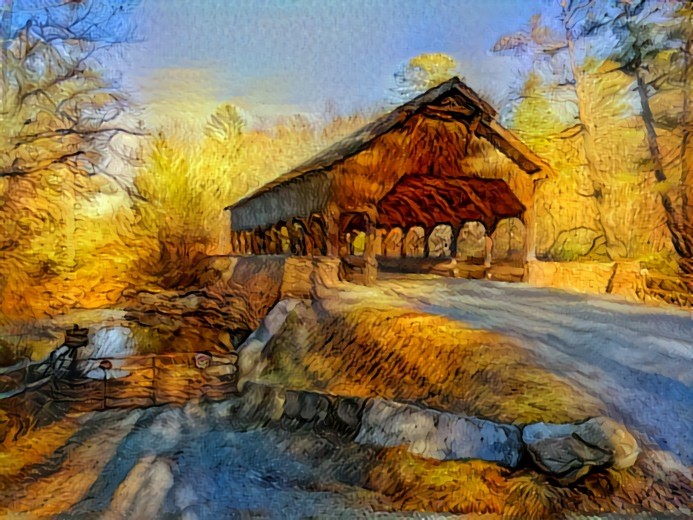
{"x":438,"y":435}
{"x":568,"y":452}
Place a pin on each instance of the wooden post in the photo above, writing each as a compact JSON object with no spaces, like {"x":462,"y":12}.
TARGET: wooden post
{"x":265,"y":241}
{"x":488,"y":250}
{"x":370,"y":273}
{"x":268,"y":238}
{"x":406,"y":242}
{"x":234,"y":242}
{"x":258,"y":242}
{"x":529,"y":252}
{"x":247,"y":243}
{"x":453,"y":242}
{"x":332,"y":215}
{"x":426,"y":237}
{"x":105,"y":380}
{"x":378,"y":244}
{"x":317,"y":234}
{"x":308,"y":244}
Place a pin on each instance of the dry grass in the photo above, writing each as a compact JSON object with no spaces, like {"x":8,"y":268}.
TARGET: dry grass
{"x":465,"y":487}
{"x":34,"y":448}
{"x":405,"y":355}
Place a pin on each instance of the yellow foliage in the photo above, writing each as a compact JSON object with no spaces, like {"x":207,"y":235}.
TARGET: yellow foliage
{"x":187,"y":182}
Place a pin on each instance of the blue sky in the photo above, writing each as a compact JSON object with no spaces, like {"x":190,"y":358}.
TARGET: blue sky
{"x":277,"y":57}
{"x":283,"y":56}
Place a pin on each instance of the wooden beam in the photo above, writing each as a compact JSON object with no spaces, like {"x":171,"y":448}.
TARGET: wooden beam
{"x":510,"y":146}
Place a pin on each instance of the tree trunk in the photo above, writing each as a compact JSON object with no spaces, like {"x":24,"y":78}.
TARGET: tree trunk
{"x":615,"y":247}
{"x":6,"y":28}
{"x":686,"y":123}
{"x":686,"y":263}
{"x":681,"y":231}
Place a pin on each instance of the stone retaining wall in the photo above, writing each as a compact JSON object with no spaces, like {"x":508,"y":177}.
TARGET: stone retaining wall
{"x":620,"y":278}
{"x":567,"y":452}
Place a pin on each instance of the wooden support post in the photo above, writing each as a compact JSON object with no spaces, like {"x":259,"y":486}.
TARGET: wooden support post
{"x":270,"y":245}
{"x":235,"y":243}
{"x":378,"y":244}
{"x":488,"y":250}
{"x":293,"y":237}
{"x":317,"y":233}
{"x":249,"y":243}
{"x":529,"y":252}
{"x":453,"y":242}
{"x":277,"y":239}
{"x":406,"y":242}
{"x":257,"y":242}
{"x":265,"y":240}
{"x":332,"y":215}
{"x":308,"y":243}
{"x":245,"y":243}
{"x":370,"y":273}
{"x":252,"y":243}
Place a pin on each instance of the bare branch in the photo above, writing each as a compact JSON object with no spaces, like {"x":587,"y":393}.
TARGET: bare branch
{"x":63,"y":159}
{"x":21,"y":139}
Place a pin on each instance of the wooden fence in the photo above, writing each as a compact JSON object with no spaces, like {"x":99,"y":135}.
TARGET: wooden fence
{"x":130,"y":382}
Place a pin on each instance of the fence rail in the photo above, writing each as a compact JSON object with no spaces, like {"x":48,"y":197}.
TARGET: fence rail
{"x":132,"y":381}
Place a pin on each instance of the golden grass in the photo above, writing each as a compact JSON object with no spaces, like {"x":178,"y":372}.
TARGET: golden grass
{"x":477,"y":487}
{"x":405,"y":355}
{"x":55,"y":492}
{"x":34,"y":447}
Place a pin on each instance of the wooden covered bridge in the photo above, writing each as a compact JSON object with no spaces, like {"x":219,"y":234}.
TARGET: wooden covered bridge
{"x":382,"y":193}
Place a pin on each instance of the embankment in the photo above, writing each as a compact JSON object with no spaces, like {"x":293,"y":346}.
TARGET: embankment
{"x":420,"y":379}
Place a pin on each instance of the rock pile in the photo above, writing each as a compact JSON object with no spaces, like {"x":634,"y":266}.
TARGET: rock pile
{"x":567,"y":452}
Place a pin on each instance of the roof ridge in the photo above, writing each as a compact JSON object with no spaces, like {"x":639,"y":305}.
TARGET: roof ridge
{"x":360,"y":139}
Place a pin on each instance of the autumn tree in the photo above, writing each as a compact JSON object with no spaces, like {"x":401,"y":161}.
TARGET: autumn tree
{"x":684,"y":59}
{"x":567,"y":81}
{"x":423,"y":72}
{"x":62,"y":118}
{"x":646,"y":30}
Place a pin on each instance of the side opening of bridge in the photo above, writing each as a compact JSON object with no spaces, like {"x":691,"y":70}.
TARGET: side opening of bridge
{"x":438,"y":178}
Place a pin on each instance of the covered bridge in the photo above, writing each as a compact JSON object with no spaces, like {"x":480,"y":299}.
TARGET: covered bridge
{"x":434,"y":160}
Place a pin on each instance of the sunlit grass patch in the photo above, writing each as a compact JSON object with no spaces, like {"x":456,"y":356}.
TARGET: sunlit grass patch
{"x":478,"y":487}
{"x":33,"y":447}
{"x":406,"y":355}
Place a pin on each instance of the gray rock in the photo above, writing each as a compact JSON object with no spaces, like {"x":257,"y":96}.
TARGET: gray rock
{"x":349,"y":411}
{"x":568,"y":452}
{"x":438,"y":435}
{"x":480,"y":439}
{"x":292,"y":405}
{"x":388,"y":424}
{"x":251,"y":360}
{"x":314,"y":407}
